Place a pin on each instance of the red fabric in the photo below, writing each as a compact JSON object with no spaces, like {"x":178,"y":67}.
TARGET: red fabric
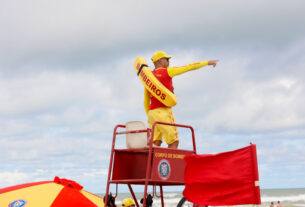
{"x":223,"y":179}
{"x":71,"y":197}
{"x":69,"y":183}
{"x":162,"y":75}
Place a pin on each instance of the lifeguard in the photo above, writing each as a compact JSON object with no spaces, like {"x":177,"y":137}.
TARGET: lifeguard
{"x":158,"y":111}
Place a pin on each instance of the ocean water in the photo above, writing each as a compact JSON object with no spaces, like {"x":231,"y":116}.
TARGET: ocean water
{"x":287,"y":197}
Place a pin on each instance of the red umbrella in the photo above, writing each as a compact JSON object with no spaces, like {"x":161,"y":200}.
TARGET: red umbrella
{"x":57,"y":193}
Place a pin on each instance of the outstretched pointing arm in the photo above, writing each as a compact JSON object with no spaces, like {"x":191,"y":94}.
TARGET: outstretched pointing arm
{"x":173,"y":71}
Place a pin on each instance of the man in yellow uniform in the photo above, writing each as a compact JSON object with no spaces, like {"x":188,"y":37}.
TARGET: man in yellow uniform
{"x":156,"y":110}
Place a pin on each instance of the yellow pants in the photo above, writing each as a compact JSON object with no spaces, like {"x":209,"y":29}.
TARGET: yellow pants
{"x":170,"y":133}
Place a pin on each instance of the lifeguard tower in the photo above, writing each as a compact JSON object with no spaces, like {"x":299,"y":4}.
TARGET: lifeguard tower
{"x":146,"y":164}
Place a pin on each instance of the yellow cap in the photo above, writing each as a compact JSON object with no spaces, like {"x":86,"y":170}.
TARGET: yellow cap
{"x":128,"y":202}
{"x":158,"y":55}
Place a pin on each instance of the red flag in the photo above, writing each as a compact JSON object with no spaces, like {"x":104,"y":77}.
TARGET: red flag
{"x":228,"y":178}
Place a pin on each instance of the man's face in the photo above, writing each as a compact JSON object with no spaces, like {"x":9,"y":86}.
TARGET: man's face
{"x":164,"y":62}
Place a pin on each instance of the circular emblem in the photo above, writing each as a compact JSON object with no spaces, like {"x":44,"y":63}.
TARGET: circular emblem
{"x":17,"y":203}
{"x":164,"y":169}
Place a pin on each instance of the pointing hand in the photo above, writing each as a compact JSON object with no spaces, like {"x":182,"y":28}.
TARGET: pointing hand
{"x":213,"y":62}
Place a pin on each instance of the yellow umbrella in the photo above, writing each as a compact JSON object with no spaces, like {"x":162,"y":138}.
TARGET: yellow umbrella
{"x":57,"y":193}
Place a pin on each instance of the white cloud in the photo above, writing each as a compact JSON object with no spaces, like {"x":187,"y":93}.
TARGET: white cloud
{"x":47,"y":89}
{"x":12,"y":178}
{"x":95,"y":172}
{"x":78,"y":33}
{"x":264,"y":106}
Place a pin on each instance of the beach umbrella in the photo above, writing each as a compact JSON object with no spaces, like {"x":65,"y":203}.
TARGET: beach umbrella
{"x":57,"y":193}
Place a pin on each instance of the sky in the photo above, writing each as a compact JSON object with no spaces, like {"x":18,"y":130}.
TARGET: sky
{"x":67,"y":79}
